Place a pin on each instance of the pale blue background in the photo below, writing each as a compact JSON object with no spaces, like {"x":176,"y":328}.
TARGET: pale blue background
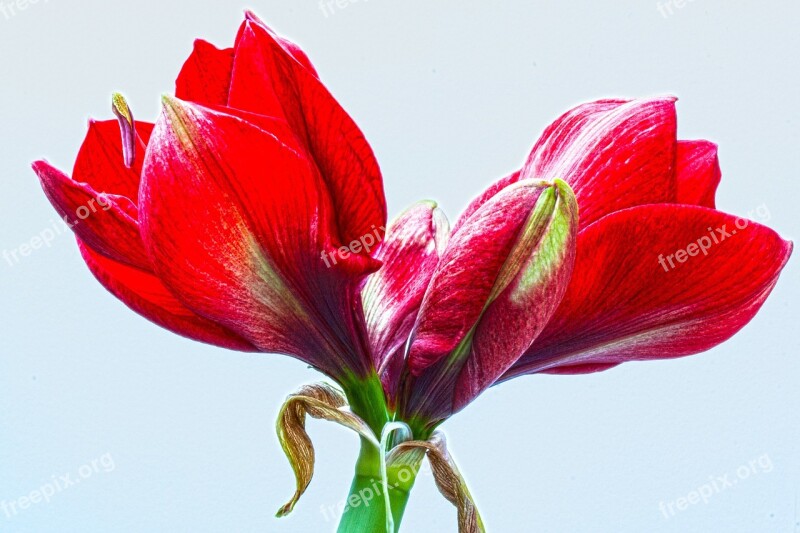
{"x":451,"y":95}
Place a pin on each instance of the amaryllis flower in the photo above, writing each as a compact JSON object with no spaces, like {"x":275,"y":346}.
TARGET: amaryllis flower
{"x":658,"y":272}
{"x":251,"y":216}
{"x":221,"y":212}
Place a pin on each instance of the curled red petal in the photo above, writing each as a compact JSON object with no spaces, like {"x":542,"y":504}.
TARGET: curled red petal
{"x":107,"y":223}
{"x":655,"y":282}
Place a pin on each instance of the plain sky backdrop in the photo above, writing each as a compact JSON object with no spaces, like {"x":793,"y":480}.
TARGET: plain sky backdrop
{"x":451,"y":94}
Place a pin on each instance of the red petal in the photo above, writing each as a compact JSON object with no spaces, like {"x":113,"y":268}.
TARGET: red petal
{"x":579,"y":369}
{"x":485,"y":196}
{"x":206,"y":76}
{"x":518,"y":315}
{"x":614,"y":153}
{"x":625,"y":302}
{"x":144,"y":130}
{"x":288,"y":46}
{"x":467,"y":274}
{"x":145,"y":294}
{"x":100,"y":162}
{"x":107,"y":223}
{"x":268,"y":79}
{"x":236,"y":223}
{"x":697,"y":173}
{"x":392,"y":296}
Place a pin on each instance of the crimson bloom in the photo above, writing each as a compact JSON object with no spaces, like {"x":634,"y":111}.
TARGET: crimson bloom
{"x":220,"y":216}
{"x":252,"y":216}
{"x":658,"y":271}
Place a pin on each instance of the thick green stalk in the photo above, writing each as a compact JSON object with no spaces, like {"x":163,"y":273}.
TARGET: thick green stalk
{"x":365,"y":508}
{"x":367,"y":400}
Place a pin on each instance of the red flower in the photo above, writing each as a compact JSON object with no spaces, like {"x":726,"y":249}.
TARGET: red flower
{"x":221,"y":214}
{"x":658,"y":272}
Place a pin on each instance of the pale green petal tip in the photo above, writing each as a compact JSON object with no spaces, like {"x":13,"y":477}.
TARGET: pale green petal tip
{"x":563,"y":188}
{"x":179,"y":118}
{"x":567,"y":195}
{"x":170,"y":103}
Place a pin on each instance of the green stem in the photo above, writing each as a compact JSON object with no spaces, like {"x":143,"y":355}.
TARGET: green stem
{"x":367,"y":400}
{"x":365,"y":510}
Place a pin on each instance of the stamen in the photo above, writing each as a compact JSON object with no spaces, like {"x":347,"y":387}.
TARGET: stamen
{"x":127,"y":128}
